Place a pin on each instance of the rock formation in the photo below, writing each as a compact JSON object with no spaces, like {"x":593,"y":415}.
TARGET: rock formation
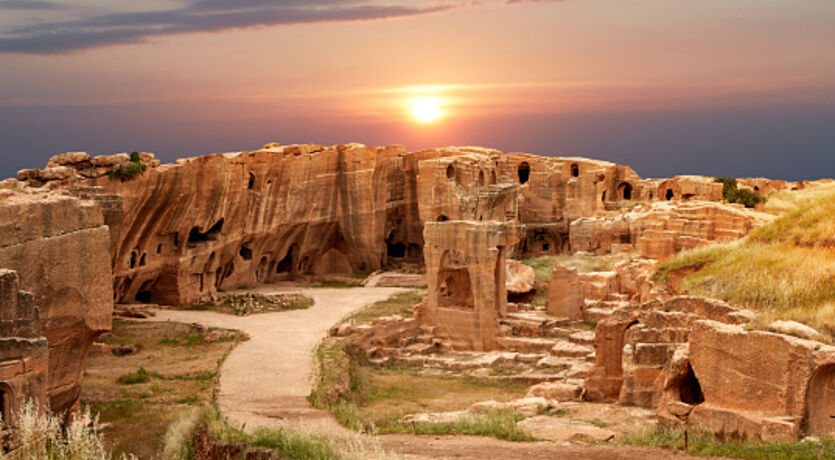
{"x":24,"y":355}
{"x":60,"y":248}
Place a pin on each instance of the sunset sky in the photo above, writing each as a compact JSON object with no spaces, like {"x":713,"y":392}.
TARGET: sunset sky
{"x":716,"y":87}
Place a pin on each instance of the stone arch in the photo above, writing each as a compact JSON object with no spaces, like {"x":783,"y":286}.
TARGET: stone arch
{"x":450,"y":172}
{"x":575,"y":170}
{"x":625,"y":191}
{"x":820,"y":402}
{"x":524,"y":172}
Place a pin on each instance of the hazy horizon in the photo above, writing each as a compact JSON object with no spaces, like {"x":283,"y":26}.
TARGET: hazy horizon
{"x":716,"y":88}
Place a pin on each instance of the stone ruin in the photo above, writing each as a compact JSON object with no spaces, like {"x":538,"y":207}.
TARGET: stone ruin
{"x":180,"y":233}
{"x":24,"y":354}
{"x":59,"y":248}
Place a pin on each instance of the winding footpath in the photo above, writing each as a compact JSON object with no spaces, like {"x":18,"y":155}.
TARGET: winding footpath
{"x":265,"y":380}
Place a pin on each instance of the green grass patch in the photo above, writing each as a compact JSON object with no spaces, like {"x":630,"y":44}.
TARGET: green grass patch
{"x":501,"y":424}
{"x":398,"y":304}
{"x":140,"y":376}
{"x":296,"y":444}
{"x":706,"y":445}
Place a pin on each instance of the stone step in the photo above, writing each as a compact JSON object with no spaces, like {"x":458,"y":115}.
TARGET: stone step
{"x":525,"y":344}
{"x":595,"y":315}
{"x":571,"y":349}
{"x":582,"y":337}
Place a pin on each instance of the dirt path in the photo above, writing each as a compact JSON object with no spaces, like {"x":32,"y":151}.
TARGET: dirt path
{"x":265,"y":380}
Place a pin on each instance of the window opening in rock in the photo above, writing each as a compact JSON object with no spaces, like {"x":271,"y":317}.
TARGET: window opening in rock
{"x":524,"y":172}
{"x":670,"y":194}
{"x":245,"y":252}
{"x":251,"y":183}
{"x":133,"y":259}
{"x":625,"y":191}
{"x":196,"y":236}
{"x":575,"y":170}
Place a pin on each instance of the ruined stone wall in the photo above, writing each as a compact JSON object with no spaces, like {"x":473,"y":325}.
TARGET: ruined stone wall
{"x":60,"y":249}
{"x":24,"y":355}
{"x":465,"y":270}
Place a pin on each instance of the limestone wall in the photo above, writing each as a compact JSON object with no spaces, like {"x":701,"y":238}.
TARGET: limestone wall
{"x":60,"y":249}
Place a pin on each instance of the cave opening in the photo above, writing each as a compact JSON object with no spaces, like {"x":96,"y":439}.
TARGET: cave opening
{"x":524,"y":172}
{"x":670,"y":194}
{"x":196,"y":236}
{"x":690,"y":390}
{"x":442,"y":218}
{"x":286,"y":264}
{"x":245,"y":252}
{"x":625,"y":190}
{"x":481,"y":178}
{"x":450,"y":172}
{"x":575,"y":170}
{"x":395,"y":249}
{"x":251,"y":183}
{"x":133,"y":259}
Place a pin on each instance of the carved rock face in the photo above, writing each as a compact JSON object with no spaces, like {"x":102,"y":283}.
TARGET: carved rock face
{"x":59,"y":247}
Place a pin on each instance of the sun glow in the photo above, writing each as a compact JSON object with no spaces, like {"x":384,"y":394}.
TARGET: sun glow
{"x":426,"y":109}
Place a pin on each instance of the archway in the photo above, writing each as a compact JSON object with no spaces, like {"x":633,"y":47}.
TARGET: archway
{"x":625,"y":191}
{"x":820,"y":403}
{"x":575,"y":170}
{"x":524,"y":172}
{"x":670,"y":194}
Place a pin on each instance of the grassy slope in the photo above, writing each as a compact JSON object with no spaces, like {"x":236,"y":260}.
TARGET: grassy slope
{"x":785,"y":269}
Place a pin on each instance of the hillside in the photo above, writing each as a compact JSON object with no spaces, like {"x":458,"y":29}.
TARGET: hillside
{"x":784,"y":269}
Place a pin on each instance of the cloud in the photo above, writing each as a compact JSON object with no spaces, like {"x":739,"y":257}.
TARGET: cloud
{"x":196,"y":16}
{"x":28,"y":5}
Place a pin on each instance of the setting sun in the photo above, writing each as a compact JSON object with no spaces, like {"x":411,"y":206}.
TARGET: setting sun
{"x":426,"y":109}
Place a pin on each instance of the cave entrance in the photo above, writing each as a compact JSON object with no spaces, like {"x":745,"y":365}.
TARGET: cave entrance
{"x":820,"y":403}
{"x":442,"y":218}
{"x":144,"y":294}
{"x":690,"y":391}
{"x":5,"y":407}
{"x":196,"y":236}
{"x":287,"y":264}
{"x":450,"y":172}
{"x":575,"y":170}
{"x":251,"y":183}
{"x":524,"y":172}
{"x":625,"y":191}
{"x":670,"y":194}
{"x":245,"y":252}
{"x":396,"y":250}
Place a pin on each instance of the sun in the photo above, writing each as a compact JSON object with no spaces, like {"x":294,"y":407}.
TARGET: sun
{"x":426,"y":109}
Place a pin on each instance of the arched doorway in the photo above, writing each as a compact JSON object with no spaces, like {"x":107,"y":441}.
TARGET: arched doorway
{"x":524,"y":172}
{"x":820,"y":403}
{"x":625,"y":191}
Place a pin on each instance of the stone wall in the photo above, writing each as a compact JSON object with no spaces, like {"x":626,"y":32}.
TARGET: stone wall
{"x":465,"y":267}
{"x":59,"y":247}
{"x":24,"y":355}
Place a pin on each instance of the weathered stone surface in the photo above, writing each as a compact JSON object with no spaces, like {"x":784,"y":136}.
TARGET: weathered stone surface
{"x":565,"y":293}
{"x":24,"y":354}
{"x":521,"y":278}
{"x":60,"y":249}
{"x":557,"y":391}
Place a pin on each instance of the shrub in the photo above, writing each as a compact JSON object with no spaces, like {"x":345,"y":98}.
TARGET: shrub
{"x":43,"y":437}
{"x":128,"y":171}
{"x":733,"y":194}
{"x":140,"y":376}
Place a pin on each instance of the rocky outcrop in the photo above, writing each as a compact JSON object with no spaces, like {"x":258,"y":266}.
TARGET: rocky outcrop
{"x":660,"y":230}
{"x":59,"y":247}
{"x":565,"y":293}
{"x":24,"y":355}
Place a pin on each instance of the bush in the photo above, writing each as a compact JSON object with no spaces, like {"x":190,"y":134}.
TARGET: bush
{"x":128,"y":171}
{"x":43,"y":437}
{"x":140,"y":376}
{"x":733,"y":194}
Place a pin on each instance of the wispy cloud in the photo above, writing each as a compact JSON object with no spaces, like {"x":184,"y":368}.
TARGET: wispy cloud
{"x":196,"y":16}
{"x":28,"y":5}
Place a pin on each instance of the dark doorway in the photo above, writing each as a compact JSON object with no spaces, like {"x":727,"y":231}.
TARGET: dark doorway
{"x":670,"y":194}
{"x":690,"y":390}
{"x":575,"y":170}
{"x":524,"y":172}
{"x":625,"y":190}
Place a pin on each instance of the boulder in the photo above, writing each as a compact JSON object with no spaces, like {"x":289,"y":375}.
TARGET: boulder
{"x":521,"y":278}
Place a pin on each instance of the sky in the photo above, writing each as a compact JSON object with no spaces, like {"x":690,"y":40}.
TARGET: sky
{"x":717,"y":87}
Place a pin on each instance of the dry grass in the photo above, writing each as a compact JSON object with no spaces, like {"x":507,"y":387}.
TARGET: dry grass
{"x":784,"y":269}
{"x":181,"y":373}
{"x":398,"y":304}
